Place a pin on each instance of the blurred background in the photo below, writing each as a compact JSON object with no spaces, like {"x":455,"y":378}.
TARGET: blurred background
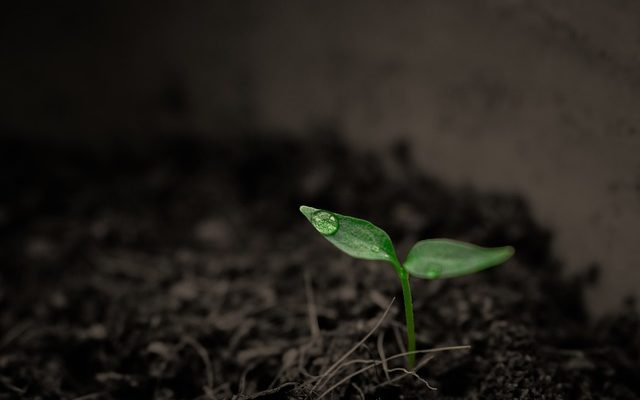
{"x":539,"y":98}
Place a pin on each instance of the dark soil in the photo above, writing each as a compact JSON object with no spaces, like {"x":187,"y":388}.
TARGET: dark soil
{"x":184,"y":270}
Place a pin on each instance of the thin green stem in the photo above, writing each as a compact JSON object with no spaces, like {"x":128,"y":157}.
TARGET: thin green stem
{"x":408,"y":314}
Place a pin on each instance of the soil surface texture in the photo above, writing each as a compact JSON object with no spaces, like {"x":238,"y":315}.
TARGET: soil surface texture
{"x":184,"y":270}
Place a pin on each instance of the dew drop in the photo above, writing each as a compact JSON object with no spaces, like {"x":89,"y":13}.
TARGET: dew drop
{"x":324,"y":222}
{"x":433,"y":271}
{"x":375,"y":249}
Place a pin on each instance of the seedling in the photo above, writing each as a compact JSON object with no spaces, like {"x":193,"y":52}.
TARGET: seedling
{"x":427,"y":259}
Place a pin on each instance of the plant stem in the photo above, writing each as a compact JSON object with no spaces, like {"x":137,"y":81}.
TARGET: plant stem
{"x":408,"y":315}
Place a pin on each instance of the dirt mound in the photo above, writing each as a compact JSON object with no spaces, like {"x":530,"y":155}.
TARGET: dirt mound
{"x":184,"y":270}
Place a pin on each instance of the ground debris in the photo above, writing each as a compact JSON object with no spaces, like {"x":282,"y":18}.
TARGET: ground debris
{"x":188,"y":273}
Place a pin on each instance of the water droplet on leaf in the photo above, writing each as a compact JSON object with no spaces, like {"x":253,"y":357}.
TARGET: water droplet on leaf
{"x":324,"y":222}
{"x":433,"y":271}
{"x":375,"y":249}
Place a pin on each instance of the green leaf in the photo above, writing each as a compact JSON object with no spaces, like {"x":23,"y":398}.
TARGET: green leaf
{"x":356,"y":237}
{"x":445,"y":258}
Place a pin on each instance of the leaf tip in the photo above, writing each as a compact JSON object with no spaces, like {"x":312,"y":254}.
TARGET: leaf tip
{"x":510,"y":251}
{"x":307,"y":211}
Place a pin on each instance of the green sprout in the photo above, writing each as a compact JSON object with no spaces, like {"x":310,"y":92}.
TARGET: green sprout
{"x":427,"y":259}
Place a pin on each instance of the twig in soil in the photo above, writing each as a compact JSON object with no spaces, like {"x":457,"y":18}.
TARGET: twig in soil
{"x":347,"y":364}
{"x":421,"y":364}
{"x":89,"y":396}
{"x":364,"y":361}
{"x":225,"y":389}
{"x":424,"y":361}
{"x":204,"y":355}
{"x":300,"y":354}
{"x":357,"y":388}
{"x":345,"y":380}
{"x":396,"y":356}
{"x":269,"y":392}
{"x":407,"y":372}
{"x":312,"y":311}
{"x":14,"y":333}
{"x":375,"y":363}
{"x":328,"y":372}
{"x":398,"y":336}
{"x":243,"y":330}
{"x":301,"y":359}
{"x":243,"y":379}
{"x":383,"y":358}
{"x":12,"y":387}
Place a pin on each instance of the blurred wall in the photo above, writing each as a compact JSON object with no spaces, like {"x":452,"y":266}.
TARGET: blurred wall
{"x":538,"y":97}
